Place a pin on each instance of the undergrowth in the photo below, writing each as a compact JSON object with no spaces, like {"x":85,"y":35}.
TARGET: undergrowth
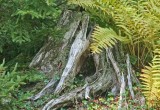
{"x":15,"y":87}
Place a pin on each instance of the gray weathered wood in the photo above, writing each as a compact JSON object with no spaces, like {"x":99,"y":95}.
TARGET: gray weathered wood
{"x":79,"y":46}
{"x":129,"y":70}
{"x":46,"y":59}
{"x":102,"y":83}
{"x":66,"y":58}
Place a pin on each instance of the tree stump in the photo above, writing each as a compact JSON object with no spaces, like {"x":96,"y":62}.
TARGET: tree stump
{"x":67,"y":59}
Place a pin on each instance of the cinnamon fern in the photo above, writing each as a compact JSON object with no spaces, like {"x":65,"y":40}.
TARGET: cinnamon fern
{"x":104,"y":37}
{"x":151,"y":80}
{"x":137,"y":21}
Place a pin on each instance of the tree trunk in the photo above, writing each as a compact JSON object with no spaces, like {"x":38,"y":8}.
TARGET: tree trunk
{"x":67,"y":58}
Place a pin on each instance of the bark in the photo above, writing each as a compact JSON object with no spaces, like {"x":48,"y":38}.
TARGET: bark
{"x":66,"y":58}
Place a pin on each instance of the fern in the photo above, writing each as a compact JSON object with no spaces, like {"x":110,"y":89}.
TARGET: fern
{"x":83,"y":3}
{"x":103,"y":37}
{"x":151,"y":80}
{"x":136,"y":20}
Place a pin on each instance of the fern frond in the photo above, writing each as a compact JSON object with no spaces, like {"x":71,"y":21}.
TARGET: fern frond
{"x":83,"y":3}
{"x":137,"y":20}
{"x":103,"y":38}
{"x":96,"y":5}
{"x":151,"y":80}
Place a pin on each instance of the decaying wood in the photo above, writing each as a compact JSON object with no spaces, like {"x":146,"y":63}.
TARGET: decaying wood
{"x":92,"y":78}
{"x":114,"y":63}
{"x":63,"y":100}
{"x":102,"y":83}
{"x":102,"y":80}
{"x":43,"y":60}
{"x":122,"y":91}
{"x":71,"y":55}
{"x":129,"y":70}
{"x":116,"y":87}
{"x":79,"y":46}
{"x":44,"y":91}
{"x":87,"y":92}
{"x":46,"y":60}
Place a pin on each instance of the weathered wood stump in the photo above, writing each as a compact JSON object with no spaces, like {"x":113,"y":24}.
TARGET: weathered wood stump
{"x":67,"y":59}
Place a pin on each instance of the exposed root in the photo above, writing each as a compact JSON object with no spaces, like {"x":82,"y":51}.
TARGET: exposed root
{"x":117,"y":75}
{"x":79,"y":93}
{"x":129,"y":70}
{"x":114,"y":63}
{"x":45,"y":90}
{"x":87,"y":92}
{"x":122,"y":91}
{"x":103,"y":79}
{"x":102,"y":82}
{"x":65,"y":99}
